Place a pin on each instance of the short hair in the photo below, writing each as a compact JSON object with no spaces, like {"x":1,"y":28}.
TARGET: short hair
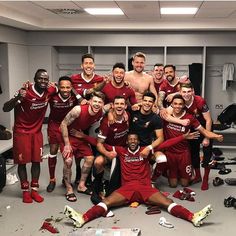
{"x":87,"y":55}
{"x":149,"y":94}
{"x":158,"y":64}
{"x":119,"y":65}
{"x":177,"y":96}
{"x":119,"y":97}
{"x":39,"y":71}
{"x":98,"y":94}
{"x":64,"y":78}
{"x":139,"y":54}
{"x":186,"y":85}
{"x":172,"y":66}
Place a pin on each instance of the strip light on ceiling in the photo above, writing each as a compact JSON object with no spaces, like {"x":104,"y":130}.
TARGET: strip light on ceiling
{"x":104,"y":11}
{"x":178,"y":10}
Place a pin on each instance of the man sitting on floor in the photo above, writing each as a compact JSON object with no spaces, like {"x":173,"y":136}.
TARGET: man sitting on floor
{"x":136,"y":186}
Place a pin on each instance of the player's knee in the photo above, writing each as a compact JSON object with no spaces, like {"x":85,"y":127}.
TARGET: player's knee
{"x":89,"y":160}
{"x":99,"y":162}
{"x":68,"y":162}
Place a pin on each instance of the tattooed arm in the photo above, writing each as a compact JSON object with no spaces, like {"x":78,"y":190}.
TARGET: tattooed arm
{"x":70,"y":117}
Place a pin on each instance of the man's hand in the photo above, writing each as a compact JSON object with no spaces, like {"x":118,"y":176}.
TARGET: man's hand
{"x":163,"y":113}
{"x":77,"y":133}
{"x":205,"y":142}
{"x":111,"y":154}
{"x":145,"y":152}
{"x":67,"y":151}
{"x":169,"y":97}
{"x":184,"y":122}
{"x":219,"y":137}
{"x":136,"y":107}
{"x":193,"y":135}
{"x":84,"y":101}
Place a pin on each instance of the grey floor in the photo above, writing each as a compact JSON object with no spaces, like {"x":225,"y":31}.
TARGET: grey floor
{"x":21,"y":219}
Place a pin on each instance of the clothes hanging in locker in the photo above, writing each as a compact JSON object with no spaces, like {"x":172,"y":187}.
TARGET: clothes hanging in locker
{"x":228,"y":75}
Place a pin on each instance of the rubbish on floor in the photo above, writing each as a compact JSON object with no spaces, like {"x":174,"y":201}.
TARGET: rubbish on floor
{"x":49,"y":227}
{"x":165,"y":223}
{"x":11,"y":179}
{"x":107,"y":232}
{"x":134,"y":204}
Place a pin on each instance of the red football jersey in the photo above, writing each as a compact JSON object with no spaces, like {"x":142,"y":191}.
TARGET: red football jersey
{"x":85,"y":120}
{"x":169,"y":88}
{"x":29,"y":114}
{"x":59,"y":107}
{"x":114,"y":134}
{"x":172,"y":130}
{"x":111,"y":92}
{"x":197,"y":108}
{"x":80,"y":84}
{"x":134,"y":168}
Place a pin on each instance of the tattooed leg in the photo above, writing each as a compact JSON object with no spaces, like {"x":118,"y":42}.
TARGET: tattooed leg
{"x":88,"y":162}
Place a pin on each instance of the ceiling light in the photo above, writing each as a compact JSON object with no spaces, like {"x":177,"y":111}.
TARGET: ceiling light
{"x":104,"y":11}
{"x":178,"y":10}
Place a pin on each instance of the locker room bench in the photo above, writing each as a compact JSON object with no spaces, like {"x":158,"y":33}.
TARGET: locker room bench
{"x":229,"y":138}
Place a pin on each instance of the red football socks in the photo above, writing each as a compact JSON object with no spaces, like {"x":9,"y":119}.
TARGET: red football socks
{"x":180,"y":212}
{"x":96,"y":211}
{"x":205,"y":185}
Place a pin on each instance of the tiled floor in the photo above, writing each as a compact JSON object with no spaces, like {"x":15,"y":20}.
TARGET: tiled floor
{"x":21,"y":219}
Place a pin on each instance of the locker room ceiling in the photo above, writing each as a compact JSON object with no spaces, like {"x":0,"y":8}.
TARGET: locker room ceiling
{"x":138,"y":15}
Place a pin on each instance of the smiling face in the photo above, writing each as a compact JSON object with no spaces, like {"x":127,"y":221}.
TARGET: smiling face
{"x":158,"y":72}
{"x":41,"y":80}
{"x":147,"y":104}
{"x":118,"y":76}
{"x":177,"y":105}
{"x":88,"y":67}
{"x":119,"y":106}
{"x":65,"y":88}
{"x":186,"y":93}
{"x":96,"y":103}
{"x":132,"y":142}
{"x":138,"y":64}
{"x":169,"y":73}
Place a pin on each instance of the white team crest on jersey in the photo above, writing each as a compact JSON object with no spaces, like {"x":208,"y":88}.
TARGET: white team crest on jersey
{"x":183,"y":129}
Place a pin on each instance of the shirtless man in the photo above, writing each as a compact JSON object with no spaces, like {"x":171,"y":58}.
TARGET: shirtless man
{"x":139,"y":80}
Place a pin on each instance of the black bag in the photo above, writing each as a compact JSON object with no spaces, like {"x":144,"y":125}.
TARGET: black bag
{"x":5,"y":134}
{"x":2,"y":172}
{"x":228,"y":115}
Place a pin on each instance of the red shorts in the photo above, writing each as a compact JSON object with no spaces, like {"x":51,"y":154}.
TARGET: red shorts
{"x":80,"y":147}
{"x":179,"y":164}
{"x":27,"y":147}
{"x":54,"y":133}
{"x":136,"y":192}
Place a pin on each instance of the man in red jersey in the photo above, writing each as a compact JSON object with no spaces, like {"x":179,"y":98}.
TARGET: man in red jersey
{"x":168,"y":88}
{"x":136,"y":186}
{"x":30,"y":107}
{"x":87,"y":82}
{"x":117,"y":86}
{"x":178,"y":156}
{"x":158,"y":76}
{"x":84,"y":84}
{"x":60,"y":104}
{"x":81,"y":117}
{"x":112,"y":134}
{"x":197,"y":106}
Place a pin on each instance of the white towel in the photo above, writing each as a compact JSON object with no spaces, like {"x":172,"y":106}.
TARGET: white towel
{"x":228,"y":74}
